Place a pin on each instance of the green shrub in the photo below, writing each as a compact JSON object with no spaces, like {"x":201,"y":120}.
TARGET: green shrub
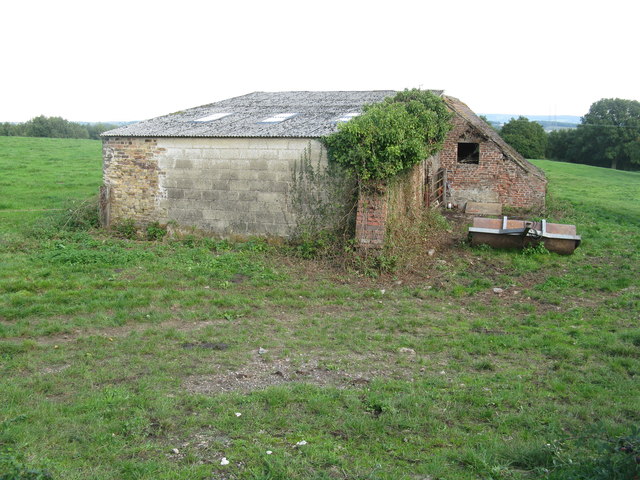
{"x":538,"y":249}
{"x":392,"y":136}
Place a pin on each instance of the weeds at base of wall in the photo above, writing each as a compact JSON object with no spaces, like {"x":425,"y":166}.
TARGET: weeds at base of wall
{"x":155,"y":231}
{"x":411,"y":241}
{"x":323,"y":200}
{"x":192,"y":237}
{"x":127,"y":229}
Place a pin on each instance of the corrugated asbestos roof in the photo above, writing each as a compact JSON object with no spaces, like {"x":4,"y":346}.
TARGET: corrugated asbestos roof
{"x":317,"y":114}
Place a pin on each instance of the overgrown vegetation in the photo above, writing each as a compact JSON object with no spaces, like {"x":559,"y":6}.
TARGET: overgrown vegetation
{"x":323,"y":199}
{"x":385,"y":141}
{"x":391,"y":136}
{"x":131,"y":359}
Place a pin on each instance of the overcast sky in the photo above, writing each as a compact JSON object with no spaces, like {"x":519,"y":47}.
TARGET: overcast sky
{"x":132,"y":60}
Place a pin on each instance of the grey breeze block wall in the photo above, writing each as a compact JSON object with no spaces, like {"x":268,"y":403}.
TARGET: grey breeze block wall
{"x":225,"y":185}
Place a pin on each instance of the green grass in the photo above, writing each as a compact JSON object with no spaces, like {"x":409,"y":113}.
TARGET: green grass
{"x":124,"y":359}
{"x":44,"y":173}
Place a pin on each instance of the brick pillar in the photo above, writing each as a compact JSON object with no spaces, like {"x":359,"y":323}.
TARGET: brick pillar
{"x":371,"y":219}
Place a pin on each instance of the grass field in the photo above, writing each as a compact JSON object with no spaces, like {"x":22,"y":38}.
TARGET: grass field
{"x":132,"y":360}
{"x":44,"y":173}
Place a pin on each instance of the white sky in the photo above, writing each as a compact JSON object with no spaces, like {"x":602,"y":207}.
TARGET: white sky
{"x":131,"y":60}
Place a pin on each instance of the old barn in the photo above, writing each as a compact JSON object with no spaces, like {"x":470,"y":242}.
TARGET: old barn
{"x":226,"y":167}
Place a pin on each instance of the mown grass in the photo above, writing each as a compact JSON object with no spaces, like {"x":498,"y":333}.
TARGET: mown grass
{"x":129,"y":359}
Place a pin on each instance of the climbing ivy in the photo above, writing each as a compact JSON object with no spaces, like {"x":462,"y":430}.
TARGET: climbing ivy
{"x":391,"y":136}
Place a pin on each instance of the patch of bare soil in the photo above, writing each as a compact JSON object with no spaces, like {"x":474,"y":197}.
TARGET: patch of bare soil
{"x":260,"y":373}
{"x":52,"y":369}
{"x":207,"y":446}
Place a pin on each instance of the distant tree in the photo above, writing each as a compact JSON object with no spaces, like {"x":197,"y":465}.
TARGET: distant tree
{"x":95,"y":129}
{"x":54,"y":127}
{"x":528,"y":138}
{"x":5,"y":129}
{"x":612,"y":128}
{"x":609,"y":136}
{"x":559,"y":142}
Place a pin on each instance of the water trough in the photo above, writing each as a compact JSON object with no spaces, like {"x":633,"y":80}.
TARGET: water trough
{"x":507,"y":233}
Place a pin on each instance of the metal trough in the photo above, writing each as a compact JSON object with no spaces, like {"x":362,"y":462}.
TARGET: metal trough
{"x":505,"y":233}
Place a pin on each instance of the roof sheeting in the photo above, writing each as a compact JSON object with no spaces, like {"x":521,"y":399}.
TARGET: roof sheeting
{"x":317,"y":115}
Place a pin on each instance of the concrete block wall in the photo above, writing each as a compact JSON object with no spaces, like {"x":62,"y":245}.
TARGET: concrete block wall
{"x":230,"y":186}
{"x":496,"y":178}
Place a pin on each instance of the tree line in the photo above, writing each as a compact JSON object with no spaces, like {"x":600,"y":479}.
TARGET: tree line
{"x":54,"y":127}
{"x":608,"y":136}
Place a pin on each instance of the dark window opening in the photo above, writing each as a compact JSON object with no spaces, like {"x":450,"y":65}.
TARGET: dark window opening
{"x":469,"y":153}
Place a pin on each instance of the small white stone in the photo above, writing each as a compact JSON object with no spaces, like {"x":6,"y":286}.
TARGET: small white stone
{"x":176,"y":451}
{"x":224,"y":461}
{"x":269,"y":452}
{"x":431,"y":252}
{"x":262,"y":351}
{"x":497,"y":290}
{"x":407,"y":351}
{"x":301,"y":443}
{"x":383,"y":291}
{"x":238,"y":414}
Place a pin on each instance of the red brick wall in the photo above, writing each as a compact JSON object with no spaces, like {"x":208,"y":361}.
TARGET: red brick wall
{"x":496,"y":178}
{"x":371,"y":219}
{"x":402,"y":196}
